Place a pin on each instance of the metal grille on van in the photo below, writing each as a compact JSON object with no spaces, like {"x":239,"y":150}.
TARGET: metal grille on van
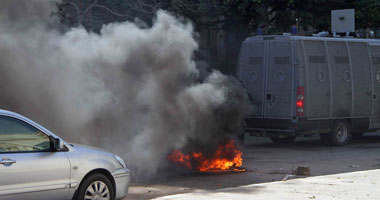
{"x":317,"y":59}
{"x":375,"y":60}
{"x":256,"y":60}
{"x":341,"y":60}
{"x":281,"y":60}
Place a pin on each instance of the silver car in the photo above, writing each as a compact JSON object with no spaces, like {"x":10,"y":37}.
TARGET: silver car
{"x":37,"y":164}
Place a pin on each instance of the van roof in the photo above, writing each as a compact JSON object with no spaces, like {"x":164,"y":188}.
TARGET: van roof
{"x":286,"y":37}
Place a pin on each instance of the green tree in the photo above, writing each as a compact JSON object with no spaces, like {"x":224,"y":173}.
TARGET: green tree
{"x":367,"y":13}
{"x":250,"y":13}
{"x":317,"y":13}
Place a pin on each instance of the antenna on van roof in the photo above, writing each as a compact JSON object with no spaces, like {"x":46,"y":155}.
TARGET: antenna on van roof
{"x":342,"y":22}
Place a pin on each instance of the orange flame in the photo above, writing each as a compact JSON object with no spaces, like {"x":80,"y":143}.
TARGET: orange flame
{"x":226,"y":157}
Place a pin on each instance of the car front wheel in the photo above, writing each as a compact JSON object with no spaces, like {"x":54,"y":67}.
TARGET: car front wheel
{"x":96,"y":187}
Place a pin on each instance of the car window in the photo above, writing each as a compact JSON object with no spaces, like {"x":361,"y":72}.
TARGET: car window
{"x":19,"y":136}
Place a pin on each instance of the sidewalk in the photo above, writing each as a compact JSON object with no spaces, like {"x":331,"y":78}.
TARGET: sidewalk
{"x":356,"y":185}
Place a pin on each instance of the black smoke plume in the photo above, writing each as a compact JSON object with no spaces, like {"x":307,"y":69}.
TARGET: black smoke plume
{"x":134,"y":91}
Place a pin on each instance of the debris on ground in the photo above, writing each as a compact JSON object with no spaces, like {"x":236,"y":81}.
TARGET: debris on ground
{"x":301,"y":171}
{"x":287,"y":176}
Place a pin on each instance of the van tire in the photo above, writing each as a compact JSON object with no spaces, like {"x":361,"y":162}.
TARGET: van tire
{"x":340,"y":133}
{"x":286,"y":140}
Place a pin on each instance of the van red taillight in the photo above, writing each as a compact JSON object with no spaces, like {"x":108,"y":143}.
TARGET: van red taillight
{"x":299,"y":104}
{"x":300,"y":101}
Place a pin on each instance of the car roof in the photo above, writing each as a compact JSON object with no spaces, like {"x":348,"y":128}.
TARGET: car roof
{"x":7,"y":112}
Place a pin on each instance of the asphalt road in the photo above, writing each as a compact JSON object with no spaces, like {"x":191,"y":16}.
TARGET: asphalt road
{"x":267,"y":162}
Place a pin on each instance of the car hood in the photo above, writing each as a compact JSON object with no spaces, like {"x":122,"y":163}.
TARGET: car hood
{"x":90,"y":149}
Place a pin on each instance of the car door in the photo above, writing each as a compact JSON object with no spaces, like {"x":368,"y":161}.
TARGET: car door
{"x":29,"y":167}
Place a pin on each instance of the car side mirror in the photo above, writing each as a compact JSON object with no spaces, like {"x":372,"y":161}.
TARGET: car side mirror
{"x":57,"y":144}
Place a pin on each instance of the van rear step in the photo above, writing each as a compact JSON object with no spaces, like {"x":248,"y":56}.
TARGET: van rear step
{"x":273,"y":133}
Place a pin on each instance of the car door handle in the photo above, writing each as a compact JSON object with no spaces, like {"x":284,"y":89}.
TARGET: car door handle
{"x":7,"y":162}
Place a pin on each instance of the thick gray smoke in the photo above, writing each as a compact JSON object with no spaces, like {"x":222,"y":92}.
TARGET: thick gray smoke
{"x":131,"y":90}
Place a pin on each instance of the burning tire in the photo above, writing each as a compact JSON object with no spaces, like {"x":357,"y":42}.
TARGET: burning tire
{"x":96,"y":186}
{"x":340,"y":134}
{"x":286,"y":140}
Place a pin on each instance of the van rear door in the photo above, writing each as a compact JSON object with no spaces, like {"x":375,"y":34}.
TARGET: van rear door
{"x":279,"y":80}
{"x":252,"y":73}
{"x":266,"y":70}
{"x":375,"y":59}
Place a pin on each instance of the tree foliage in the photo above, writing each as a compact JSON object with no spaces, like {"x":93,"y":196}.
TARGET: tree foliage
{"x":275,"y":15}
{"x":367,"y":13}
{"x":280,"y":15}
{"x":93,"y":13}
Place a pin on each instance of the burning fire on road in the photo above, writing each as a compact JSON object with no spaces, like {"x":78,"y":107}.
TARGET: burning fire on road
{"x":226,"y":158}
